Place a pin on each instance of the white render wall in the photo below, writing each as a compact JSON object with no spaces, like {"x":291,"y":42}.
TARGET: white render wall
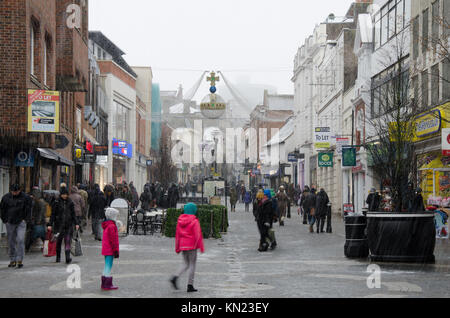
{"x":116,"y":90}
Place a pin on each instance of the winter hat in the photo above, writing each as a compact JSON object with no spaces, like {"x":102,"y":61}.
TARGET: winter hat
{"x":111,"y":214}
{"x":268,"y":194}
{"x":190,"y":209}
{"x":63,"y":191}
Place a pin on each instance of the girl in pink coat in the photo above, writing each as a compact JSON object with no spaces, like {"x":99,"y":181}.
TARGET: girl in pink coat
{"x":188,"y":239}
{"x":110,"y":246}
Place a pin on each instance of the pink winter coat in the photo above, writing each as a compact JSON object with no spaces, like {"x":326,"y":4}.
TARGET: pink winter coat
{"x":189,"y":234}
{"x":110,"y":241}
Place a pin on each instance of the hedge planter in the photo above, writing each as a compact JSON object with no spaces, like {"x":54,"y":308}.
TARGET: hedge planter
{"x":213,"y":220}
{"x":401,"y":236}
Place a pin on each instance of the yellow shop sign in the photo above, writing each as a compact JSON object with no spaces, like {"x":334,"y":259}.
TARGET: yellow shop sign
{"x":431,"y":123}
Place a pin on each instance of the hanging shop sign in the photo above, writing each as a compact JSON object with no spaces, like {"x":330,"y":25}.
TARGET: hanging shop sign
{"x":43,"y":111}
{"x":322,"y":137}
{"x":61,"y":141}
{"x":325,"y":160}
{"x":24,"y":159}
{"x":349,"y":157}
{"x":340,"y":142}
{"x":101,"y":150}
{"x":88,"y":146}
{"x":122,"y":148}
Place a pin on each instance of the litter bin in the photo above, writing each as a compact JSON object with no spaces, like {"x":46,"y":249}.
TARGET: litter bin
{"x":356,"y":245}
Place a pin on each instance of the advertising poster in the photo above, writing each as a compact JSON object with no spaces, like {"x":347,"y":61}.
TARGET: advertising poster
{"x":43,"y":111}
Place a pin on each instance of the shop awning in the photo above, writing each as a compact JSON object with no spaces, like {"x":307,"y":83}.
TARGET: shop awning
{"x":53,"y":155}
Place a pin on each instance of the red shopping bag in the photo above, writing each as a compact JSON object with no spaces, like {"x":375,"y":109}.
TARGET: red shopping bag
{"x":49,"y":245}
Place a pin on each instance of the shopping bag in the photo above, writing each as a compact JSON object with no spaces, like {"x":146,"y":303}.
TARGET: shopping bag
{"x":312,"y":212}
{"x":49,"y":245}
{"x":75,"y":248}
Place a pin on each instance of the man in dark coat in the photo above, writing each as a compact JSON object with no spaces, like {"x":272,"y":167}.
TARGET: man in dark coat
{"x":173,"y":196}
{"x":309,"y":206}
{"x":322,"y":201}
{"x":62,"y":221}
{"x":146,"y":198}
{"x":302,"y":204}
{"x":373,"y":200}
{"x":16,"y":213}
{"x":109,"y":194}
{"x":134,"y":196}
{"x":97,"y":205}
{"x":264,"y":213}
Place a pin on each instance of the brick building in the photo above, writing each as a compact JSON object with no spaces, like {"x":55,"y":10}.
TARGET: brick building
{"x":40,"y":50}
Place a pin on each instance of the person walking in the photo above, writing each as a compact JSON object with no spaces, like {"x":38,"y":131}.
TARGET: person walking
{"x":322,"y":201}
{"x":310,"y":206}
{"x":78,"y":202}
{"x":264,"y":216}
{"x":97,"y":205}
{"x":302,"y":202}
{"x":188,"y":239}
{"x":15,"y":214}
{"x":38,"y":214}
{"x":82,"y":191}
{"x":62,"y":221}
{"x":173,"y":196}
{"x":283,"y":201}
{"x":108,"y":190}
{"x":247,"y":201}
{"x":110,"y":246}
{"x":233,"y":199}
{"x":187,"y":188}
{"x":134,"y":196}
{"x":146,"y":198}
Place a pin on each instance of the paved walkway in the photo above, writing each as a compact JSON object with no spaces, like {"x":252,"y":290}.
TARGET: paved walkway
{"x":303,"y":265}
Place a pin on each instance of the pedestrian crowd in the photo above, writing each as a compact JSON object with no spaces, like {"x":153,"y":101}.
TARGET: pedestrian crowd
{"x":57,"y":216}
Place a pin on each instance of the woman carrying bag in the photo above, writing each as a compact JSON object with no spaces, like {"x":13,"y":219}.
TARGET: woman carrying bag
{"x":62,"y":221}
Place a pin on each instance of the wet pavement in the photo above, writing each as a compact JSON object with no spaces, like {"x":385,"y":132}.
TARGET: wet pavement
{"x":304,"y":265}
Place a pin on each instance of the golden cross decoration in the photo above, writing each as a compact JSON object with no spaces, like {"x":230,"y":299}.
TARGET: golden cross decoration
{"x":213,"y":79}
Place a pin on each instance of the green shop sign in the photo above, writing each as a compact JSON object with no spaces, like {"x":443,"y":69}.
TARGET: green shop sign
{"x":325,"y":160}
{"x":349,"y":157}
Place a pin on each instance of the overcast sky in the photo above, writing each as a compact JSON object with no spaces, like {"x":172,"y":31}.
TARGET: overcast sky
{"x":248,"y":40}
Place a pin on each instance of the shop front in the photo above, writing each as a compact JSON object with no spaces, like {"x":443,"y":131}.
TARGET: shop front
{"x":433,"y":163}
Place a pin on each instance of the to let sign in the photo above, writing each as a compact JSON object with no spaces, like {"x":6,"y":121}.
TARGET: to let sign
{"x":322,"y":137}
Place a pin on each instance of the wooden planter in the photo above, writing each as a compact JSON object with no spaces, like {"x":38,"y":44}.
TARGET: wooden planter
{"x":401,"y":236}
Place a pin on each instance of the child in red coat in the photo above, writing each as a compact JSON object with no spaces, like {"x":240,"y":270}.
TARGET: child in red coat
{"x":188,"y":239}
{"x":110,"y":246}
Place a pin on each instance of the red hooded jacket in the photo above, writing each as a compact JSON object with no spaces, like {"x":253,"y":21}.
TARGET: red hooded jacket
{"x":110,"y":241}
{"x":189,"y":234}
